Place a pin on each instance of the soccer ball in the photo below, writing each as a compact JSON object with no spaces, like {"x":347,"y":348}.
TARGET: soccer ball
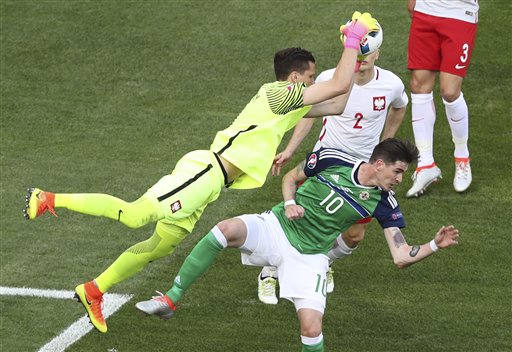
{"x":370,"y":43}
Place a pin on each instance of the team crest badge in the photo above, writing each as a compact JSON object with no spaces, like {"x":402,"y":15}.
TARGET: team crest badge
{"x":364,"y":195}
{"x":312,"y":161}
{"x":379,"y":103}
{"x":176,"y":206}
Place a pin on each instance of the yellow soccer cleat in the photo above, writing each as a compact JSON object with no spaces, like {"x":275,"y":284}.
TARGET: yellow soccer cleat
{"x":38,"y":202}
{"x":92,"y":305}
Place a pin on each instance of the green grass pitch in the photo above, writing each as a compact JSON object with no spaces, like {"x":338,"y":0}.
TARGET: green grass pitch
{"x":106,"y":96}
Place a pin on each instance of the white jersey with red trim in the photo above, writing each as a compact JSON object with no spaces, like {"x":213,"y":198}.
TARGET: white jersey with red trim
{"x":464,"y":10}
{"x":358,"y":129}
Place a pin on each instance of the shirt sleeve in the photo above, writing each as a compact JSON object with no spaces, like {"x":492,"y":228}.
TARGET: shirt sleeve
{"x":400,"y":96}
{"x":311,"y":165}
{"x":324,"y":158}
{"x":325,"y":75}
{"x":388,"y":212}
{"x":285,"y":98}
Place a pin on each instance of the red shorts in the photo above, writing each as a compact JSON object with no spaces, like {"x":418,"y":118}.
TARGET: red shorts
{"x":440,"y":44}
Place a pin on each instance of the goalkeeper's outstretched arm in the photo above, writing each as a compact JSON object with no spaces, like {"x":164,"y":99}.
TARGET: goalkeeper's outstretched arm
{"x":341,"y":81}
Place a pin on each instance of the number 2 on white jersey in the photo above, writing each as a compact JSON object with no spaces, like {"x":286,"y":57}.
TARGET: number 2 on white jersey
{"x":358,"y":118}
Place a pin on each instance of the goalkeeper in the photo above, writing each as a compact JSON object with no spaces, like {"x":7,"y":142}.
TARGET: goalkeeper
{"x":239,"y":157}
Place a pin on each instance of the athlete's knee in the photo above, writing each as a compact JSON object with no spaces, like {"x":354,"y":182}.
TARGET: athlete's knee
{"x":312,"y":330}
{"x":170,"y":237}
{"x":354,"y":234}
{"x":422,"y":82}
{"x":450,"y":93}
{"x":234,"y":231}
{"x":310,"y":321}
{"x":153,"y":248}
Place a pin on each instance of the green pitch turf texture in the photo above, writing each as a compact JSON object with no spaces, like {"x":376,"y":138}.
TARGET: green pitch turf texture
{"x":106,"y":96}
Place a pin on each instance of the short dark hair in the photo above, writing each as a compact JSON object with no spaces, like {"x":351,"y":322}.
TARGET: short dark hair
{"x":291,"y":59}
{"x":392,"y":150}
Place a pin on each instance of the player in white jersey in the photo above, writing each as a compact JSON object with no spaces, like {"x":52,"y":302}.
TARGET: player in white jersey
{"x":376,"y":107}
{"x":441,"y":39}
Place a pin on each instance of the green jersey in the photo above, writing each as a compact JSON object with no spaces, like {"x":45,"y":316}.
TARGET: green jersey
{"x":251,"y":142}
{"x":333,"y":200}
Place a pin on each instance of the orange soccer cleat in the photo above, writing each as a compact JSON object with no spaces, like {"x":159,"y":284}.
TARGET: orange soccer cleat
{"x":92,"y":300}
{"x":38,"y":202}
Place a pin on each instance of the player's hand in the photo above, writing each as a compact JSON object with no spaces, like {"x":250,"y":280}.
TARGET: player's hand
{"x":410,"y":6}
{"x":344,"y":32}
{"x":447,"y":236}
{"x":366,"y":19}
{"x":294,"y":211}
{"x":279,"y":161}
{"x":355,"y":30}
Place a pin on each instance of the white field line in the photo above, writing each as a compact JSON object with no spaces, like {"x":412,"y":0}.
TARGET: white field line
{"x":112,"y":302}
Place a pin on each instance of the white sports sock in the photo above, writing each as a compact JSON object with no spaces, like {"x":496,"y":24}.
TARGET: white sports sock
{"x":423,"y":120}
{"x":458,"y":118}
{"x":340,"y":249}
{"x":311,"y":340}
{"x":269,"y":271}
{"x":219,"y":236}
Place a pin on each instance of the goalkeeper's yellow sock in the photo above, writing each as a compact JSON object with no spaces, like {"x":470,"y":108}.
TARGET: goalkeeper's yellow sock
{"x":163,"y":242}
{"x":134,"y":214}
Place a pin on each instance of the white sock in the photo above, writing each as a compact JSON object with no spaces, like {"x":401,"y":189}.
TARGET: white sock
{"x":269,"y":271}
{"x":339,"y":250}
{"x":423,"y":120}
{"x":219,"y":236}
{"x":311,"y":340}
{"x":458,"y":118}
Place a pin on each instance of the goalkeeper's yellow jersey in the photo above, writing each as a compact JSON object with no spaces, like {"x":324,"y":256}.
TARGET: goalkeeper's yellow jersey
{"x":251,"y":142}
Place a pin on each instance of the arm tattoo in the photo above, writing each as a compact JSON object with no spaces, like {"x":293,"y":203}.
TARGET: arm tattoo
{"x":398,"y":238}
{"x":414,"y":251}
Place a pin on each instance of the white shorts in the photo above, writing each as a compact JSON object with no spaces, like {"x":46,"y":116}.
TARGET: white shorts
{"x":302,"y":277}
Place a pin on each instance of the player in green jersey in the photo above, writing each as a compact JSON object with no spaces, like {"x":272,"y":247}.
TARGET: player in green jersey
{"x":240,"y":157}
{"x":297,"y":234}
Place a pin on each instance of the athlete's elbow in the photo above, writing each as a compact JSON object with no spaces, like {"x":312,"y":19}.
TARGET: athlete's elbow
{"x":342,"y":88}
{"x":401,"y":261}
{"x":337,"y":106}
{"x":402,"y":264}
